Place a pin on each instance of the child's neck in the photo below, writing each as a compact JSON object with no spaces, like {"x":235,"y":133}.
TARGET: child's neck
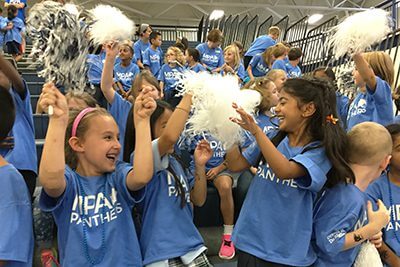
{"x":363,"y":176}
{"x":281,"y":57}
{"x":3,"y":162}
{"x":126,"y":62}
{"x":172,"y":64}
{"x":87,"y":171}
{"x":145,"y":40}
{"x":154,"y":47}
{"x":394,"y":176}
{"x":300,"y":137}
{"x":293,"y":63}
{"x":192,"y":63}
{"x":230,"y":64}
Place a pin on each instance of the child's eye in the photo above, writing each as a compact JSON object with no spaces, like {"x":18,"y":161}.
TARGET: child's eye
{"x":108,"y":137}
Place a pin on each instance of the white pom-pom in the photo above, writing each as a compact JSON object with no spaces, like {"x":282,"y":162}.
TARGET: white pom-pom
{"x":110,"y":24}
{"x":73,"y":9}
{"x":212,"y":99}
{"x":360,"y":31}
{"x":368,"y":256}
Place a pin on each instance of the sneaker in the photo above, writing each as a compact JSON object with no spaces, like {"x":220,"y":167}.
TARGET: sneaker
{"x":227,"y":250}
{"x":49,"y":258}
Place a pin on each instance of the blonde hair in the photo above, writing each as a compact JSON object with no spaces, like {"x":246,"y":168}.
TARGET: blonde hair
{"x":267,"y":56}
{"x":381,"y":64}
{"x":235,"y":51}
{"x":369,"y":143}
{"x":70,"y":156}
{"x":262,"y":85}
{"x":279,"y":50}
{"x":275,"y":74}
{"x":180,"y":57}
{"x":274,"y":30}
{"x":85,"y":97}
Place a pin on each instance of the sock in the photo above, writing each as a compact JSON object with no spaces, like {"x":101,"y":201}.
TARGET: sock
{"x":228,"y":229}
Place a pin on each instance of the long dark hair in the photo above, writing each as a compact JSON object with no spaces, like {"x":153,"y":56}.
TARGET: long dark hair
{"x":129,"y":143}
{"x":331,"y":135}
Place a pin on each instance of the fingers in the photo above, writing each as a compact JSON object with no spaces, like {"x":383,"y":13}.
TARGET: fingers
{"x":369,"y":207}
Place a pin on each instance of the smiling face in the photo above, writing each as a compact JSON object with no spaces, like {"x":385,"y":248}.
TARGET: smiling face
{"x":125,"y":52}
{"x":289,"y":113}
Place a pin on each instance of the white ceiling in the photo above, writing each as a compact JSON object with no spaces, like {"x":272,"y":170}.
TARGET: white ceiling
{"x":181,"y":12}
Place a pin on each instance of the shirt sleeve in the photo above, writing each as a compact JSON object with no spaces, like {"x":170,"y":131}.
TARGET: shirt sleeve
{"x":136,"y":51}
{"x":252,"y":153}
{"x":241,"y":72}
{"x":382,"y":94}
{"x":279,"y":64}
{"x":221,"y":58}
{"x":161,"y":74}
{"x":146,"y":58}
{"x":254,"y":60}
{"x":122,"y":170}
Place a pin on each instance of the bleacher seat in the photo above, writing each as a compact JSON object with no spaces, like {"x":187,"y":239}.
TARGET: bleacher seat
{"x":35,"y":88}
{"x":34,"y":100}
{"x":32,"y":77}
{"x":41,"y":123}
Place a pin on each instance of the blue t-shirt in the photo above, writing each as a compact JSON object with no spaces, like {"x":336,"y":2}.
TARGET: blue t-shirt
{"x":125,"y":75}
{"x":23,"y":155}
{"x":239,"y":71}
{"x":197,"y":68}
{"x":259,"y":45}
{"x":168,"y":230}
{"x":15,"y":33}
{"x":339,"y":211}
{"x":16,"y":238}
{"x":342,"y":106}
{"x":396,"y":119}
{"x":292,"y":71}
{"x":266,"y":123}
{"x":21,"y":12}
{"x":3,"y":24}
{"x":275,"y":223}
{"x":258,"y":66}
{"x":119,"y":109}
{"x":95,"y":64}
{"x":218,"y":155}
{"x":373,"y":106}
{"x":153,"y":59}
{"x":391,"y":198}
{"x":170,"y":76}
{"x":105,"y":205}
{"x":139,"y":47}
{"x":213,"y":58}
{"x":279,"y":64}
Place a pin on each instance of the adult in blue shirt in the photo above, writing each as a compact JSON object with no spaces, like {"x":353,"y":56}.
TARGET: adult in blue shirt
{"x":261,"y":43}
{"x":142,"y":44}
{"x":211,"y":55}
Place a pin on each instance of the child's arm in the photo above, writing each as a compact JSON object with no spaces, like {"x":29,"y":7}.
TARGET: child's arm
{"x":52,"y":164}
{"x":107,"y":73}
{"x":12,"y":74}
{"x":282,"y":167}
{"x":365,"y":71}
{"x":388,"y":256}
{"x":143,"y":163}
{"x":215,"y":171}
{"x":162,"y":89}
{"x":250,"y":72}
{"x":202,"y":154}
{"x":175,"y":125}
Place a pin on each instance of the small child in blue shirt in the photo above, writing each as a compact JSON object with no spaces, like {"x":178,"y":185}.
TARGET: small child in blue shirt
{"x":340,"y":217}
{"x":279,"y":53}
{"x":4,"y":26}
{"x":126,"y":70}
{"x":16,"y":242}
{"x":142,"y":44}
{"x":193,"y":60}
{"x":153,"y":56}
{"x":260,"y":64}
{"x":232,"y":64}
{"x":211,"y":54}
{"x":292,"y":67}
{"x":13,"y":36}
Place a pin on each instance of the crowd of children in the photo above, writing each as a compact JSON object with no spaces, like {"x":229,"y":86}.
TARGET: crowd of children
{"x":326,"y":170}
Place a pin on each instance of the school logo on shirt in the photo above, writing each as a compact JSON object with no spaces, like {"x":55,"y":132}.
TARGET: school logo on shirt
{"x":210,"y":58}
{"x":154,"y":58}
{"x":265,"y":172}
{"x":358,"y":108}
{"x":261,"y":68}
{"x":124,"y":76}
{"x":172,"y":192}
{"x":94,"y":209}
{"x":336,"y":235}
{"x":394,"y":224}
{"x":218,"y":148}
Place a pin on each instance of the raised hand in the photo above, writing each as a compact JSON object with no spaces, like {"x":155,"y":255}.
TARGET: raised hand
{"x":144,"y":105}
{"x":379,"y":218}
{"x":112,"y":49}
{"x":246,"y":121}
{"x":202,"y":153}
{"x":51,"y":96}
{"x":377,"y":239}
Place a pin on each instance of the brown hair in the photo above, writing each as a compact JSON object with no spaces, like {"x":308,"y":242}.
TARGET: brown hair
{"x":381,"y":64}
{"x":137,"y":83}
{"x":85,"y":97}
{"x":262,"y":85}
{"x":267,"y":56}
{"x":215,"y":36}
{"x":70,"y":156}
{"x":274,"y":30}
{"x":278,"y":50}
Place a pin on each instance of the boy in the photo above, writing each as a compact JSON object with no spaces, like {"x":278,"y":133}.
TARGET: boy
{"x":261,"y":43}
{"x":211,"y":54}
{"x":340,"y":217}
{"x":153,"y":56}
{"x":16,"y":241}
{"x":292,"y":68}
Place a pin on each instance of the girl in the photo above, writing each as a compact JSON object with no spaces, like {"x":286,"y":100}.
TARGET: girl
{"x":373,"y":74}
{"x":13,"y":36}
{"x":91,"y":199}
{"x":278,"y":77}
{"x":279,"y":52}
{"x":167,"y":204}
{"x":211,"y":55}
{"x":232,"y":63}
{"x":125,"y":71}
{"x":260,"y":64}
{"x":294,"y":166}
{"x":142,"y":44}
{"x":170,"y":74}
{"x":387,"y":188}
{"x":192,"y":58}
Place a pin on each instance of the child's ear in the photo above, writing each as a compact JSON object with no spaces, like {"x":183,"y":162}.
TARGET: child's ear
{"x":308,"y":109}
{"x":75,"y":144}
{"x":385,"y":162}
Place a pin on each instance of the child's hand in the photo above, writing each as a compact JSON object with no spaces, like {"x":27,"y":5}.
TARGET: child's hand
{"x":246,"y":121}
{"x":51,"y":96}
{"x":112,"y":49}
{"x":202,"y":153}
{"x":376,"y":240}
{"x":379,"y":218}
{"x":144,"y":105}
{"x":212,"y":173}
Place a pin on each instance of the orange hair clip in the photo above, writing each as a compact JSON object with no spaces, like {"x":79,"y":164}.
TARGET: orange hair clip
{"x":331,"y":119}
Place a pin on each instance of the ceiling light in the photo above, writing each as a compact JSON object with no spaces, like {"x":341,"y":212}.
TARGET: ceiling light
{"x":314,"y":18}
{"x":217,"y":14}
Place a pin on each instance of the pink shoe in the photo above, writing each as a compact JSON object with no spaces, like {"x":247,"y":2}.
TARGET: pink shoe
{"x":227,"y":250}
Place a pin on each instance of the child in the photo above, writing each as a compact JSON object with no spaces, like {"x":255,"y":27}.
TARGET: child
{"x":342,"y":101}
{"x":142,"y":44}
{"x":240,"y":48}
{"x":75,"y":100}
{"x":22,"y":155}
{"x":232,"y":65}
{"x":16,"y":242}
{"x":278,"y":77}
{"x":261,"y":44}
{"x":373,"y":74}
{"x":340,"y":215}
{"x":153,"y":56}
{"x":125,"y":71}
{"x":92,"y":197}
{"x":4,"y":27}
{"x":274,"y":227}
{"x":279,"y":54}
{"x":170,"y":74}
{"x":167,"y":204}
{"x":387,"y":188}
{"x":292,"y":67}
{"x":260,"y":64}
{"x":13,"y":36}
{"x":95,"y":65}
{"x":193,"y":60}
{"x":211,"y":55}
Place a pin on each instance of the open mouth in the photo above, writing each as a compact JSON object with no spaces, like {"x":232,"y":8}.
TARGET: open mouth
{"x":112,"y":157}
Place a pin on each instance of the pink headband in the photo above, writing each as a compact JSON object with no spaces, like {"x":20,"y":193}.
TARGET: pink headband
{"x":79,"y":118}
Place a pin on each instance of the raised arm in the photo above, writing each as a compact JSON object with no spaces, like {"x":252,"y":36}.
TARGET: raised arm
{"x":52,"y":164}
{"x":365,"y":71}
{"x":12,"y":74}
{"x":143,"y":163}
{"x":202,"y":154}
{"x":108,"y":70}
